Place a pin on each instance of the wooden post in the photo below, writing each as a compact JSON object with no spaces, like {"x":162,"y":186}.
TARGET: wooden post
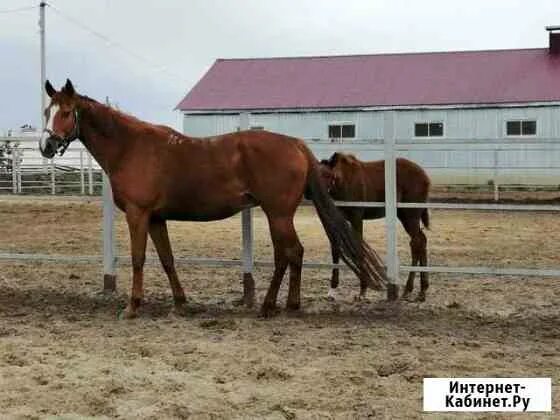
{"x":109,"y":248}
{"x":391,"y":205}
{"x":247,"y":238}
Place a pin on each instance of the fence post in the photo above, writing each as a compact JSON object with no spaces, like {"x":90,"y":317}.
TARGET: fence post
{"x":392,"y":261}
{"x":109,"y":246}
{"x":90,"y":174}
{"x":53,"y":177}
{"x":247,"y":238}
{"x":19,"y":161}
{"x":496,"y":183}
{"x":82,"y":179}
{"x":15,"y":185}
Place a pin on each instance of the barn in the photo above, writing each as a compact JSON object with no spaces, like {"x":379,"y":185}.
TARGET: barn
{"x":483,"y":115}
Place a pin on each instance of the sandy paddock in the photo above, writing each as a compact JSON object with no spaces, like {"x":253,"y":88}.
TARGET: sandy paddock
{"x":64,"y":354}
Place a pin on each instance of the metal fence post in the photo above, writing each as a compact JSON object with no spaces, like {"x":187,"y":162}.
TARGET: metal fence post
{"x":109,"y":246}
{"x":19,"y":162}
{"x":90,"y":174}
{"x":14,"y":172}
{"x":247,"y":238}
{"x":82,"y":178}
{"x":391,"y":205}
{"x":496,"y":183}
{"x":53,"y":177}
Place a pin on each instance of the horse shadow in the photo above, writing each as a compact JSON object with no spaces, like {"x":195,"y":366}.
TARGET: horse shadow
{"x":25,"y":305}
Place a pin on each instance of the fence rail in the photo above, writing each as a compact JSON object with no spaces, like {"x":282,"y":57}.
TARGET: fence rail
{"x":24,"y":170}
{"x":390,"y":146}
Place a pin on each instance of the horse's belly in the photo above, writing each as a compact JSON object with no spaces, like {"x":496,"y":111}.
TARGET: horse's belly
{"x":211,"y":207}
{"x":374,"y":213}
{"x":198,"y":216}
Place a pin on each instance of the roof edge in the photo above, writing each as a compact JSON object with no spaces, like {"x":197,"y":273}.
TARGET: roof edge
{"x":298,"y":57}
{"x":532,"y":104}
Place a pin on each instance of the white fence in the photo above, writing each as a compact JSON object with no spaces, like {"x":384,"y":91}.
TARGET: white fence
{"x":24,"y":170}
{"x":391,"y":149}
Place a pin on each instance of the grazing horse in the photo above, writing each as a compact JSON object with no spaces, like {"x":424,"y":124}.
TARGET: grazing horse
{"x":350,"y":179}
{"x":158,"y":174}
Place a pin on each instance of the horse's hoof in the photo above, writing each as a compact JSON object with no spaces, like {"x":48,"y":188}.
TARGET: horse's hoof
{"x":331,"y":296}
{"x":360,"y":298}
{"x":293,"y":306}
{"x":406,"y":296}
{"x":268,"y":311}
{"x":128,"y":313}
{"x":420,"y":298}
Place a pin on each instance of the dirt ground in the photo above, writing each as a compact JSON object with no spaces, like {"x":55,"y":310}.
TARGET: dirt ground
{"x":64,"y":353}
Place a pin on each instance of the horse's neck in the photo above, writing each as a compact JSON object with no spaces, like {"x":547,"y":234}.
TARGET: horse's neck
{"x":104,"y":135}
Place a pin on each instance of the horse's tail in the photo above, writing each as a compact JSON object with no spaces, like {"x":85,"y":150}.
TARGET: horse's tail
{"x":356,"y":253}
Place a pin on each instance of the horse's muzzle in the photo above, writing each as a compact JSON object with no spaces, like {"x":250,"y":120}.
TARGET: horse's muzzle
{"x":48,"y":146}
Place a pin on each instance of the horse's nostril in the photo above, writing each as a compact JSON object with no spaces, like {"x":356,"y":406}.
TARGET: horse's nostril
{"x":48,"y":149}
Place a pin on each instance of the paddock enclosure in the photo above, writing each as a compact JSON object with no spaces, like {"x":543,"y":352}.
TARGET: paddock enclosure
{"x":64,"y":353}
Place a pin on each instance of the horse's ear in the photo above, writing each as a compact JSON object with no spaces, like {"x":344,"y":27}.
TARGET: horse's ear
{"x":50,"y":89}
{"x":334,"y":159}
{"x":69,"y":88}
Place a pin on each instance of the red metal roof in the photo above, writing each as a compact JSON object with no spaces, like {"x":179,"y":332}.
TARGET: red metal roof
{"x":446,"y":78}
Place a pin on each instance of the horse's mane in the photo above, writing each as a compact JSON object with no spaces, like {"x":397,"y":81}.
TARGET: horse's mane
{"x":118,"y":117}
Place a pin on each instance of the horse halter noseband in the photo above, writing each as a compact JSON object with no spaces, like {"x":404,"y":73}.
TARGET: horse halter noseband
{"x":65,"y":141}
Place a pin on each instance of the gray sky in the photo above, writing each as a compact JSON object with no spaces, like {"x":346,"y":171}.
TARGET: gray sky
{"x":171,"y":43}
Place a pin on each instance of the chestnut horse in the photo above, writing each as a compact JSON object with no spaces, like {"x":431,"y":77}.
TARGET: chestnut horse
{"x":350,"y":179}
{"x":158,"y":174}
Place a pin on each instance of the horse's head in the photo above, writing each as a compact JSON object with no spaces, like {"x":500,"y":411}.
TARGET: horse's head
{"x":61,"y":115}
{"x":337,"y":170}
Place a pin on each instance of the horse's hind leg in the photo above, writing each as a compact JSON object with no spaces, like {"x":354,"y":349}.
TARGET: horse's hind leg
{"x":411,"y":224}
{"x":137,"y":220}
{"x":160,"y":238}
{"x":287,"y":251}
{"x":283,"y":239}
{"x":294,"y":253}
{"x":335,"y":274}
{"x":410,"y":282}
{"x":423,"y":253}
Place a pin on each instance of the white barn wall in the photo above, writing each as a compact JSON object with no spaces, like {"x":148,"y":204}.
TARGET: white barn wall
{"x":478,"y":125}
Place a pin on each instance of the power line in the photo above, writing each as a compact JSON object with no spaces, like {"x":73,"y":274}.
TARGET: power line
{"x":114,"y":44}
{"x":19,"y":9}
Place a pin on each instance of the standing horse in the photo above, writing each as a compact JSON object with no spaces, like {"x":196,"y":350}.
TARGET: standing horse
{"x":350,"y":179}
{"x":158,"y":174}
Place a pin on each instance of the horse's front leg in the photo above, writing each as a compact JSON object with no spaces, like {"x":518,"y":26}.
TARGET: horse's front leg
{"x":138,"y":222}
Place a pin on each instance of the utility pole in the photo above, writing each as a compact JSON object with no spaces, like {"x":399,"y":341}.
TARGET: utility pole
{"x":42,"y":6}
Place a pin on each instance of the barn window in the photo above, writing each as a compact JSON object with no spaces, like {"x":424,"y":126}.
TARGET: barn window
{"x":428,"y":129}
{"x":339,"y":131}
{"x":521,"y":128}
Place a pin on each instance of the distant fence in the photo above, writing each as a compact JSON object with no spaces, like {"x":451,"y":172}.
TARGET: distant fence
{"x":390,"y":149}
{"x":25,"y":171}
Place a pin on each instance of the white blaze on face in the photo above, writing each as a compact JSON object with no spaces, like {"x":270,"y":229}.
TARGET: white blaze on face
{"x":49,"y":126}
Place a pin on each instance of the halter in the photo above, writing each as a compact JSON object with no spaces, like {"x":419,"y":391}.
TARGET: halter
{"x":65,"y":141}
